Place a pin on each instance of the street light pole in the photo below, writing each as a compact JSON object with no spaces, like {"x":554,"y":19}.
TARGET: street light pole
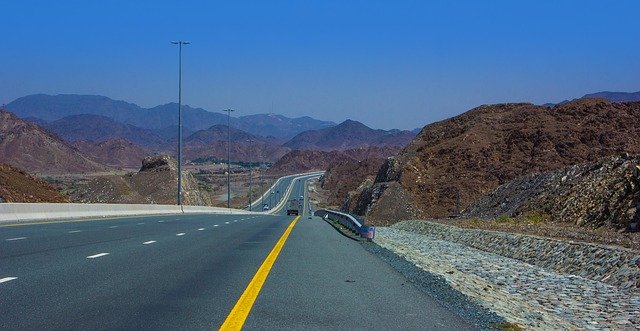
{"x":228,"y":157}
{"x":250,"y":177}
{"x":180,"y":43}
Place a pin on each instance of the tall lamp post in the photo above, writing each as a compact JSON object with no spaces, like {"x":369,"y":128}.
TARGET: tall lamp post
{"x":180,"y":43}
{"x":250,"y":141}
{"x":229,"y":156}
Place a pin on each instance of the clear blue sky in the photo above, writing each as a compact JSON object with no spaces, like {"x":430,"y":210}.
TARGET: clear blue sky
{"x":389,"y":64}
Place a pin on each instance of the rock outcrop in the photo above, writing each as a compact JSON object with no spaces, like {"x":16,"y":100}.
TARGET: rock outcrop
{"x":605,"y":193}
{"x":155,"y":183}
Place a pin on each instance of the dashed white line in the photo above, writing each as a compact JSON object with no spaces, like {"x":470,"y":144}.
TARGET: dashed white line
{"x":216,"y":225}
{"x":6,"y":279}
{"x":226,"y":222}
{"x":235,"y":221}
{"x":75,"y":231}
{"x":97,"y":255}
{"x":148,"y":242}
{"x":180,"y":234}
{"x":201,"y":229}
{"x":140,"y":223}
{"x":160,"y":221}
{"x":113,"y":227}
{"x":17,"y":238}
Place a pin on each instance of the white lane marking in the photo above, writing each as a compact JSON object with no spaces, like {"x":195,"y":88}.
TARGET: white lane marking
{"x":113,"y":227}
{"x":7,"y":279}
{"x":97,"y":255}
{"x":148,"y":242}
{"x":180,"y":234}
{"x":235,"y":221}
{"x":75,"y":231}
{"x":140,"y":223}
{"x":216,"y":225}
{"x":201,"y":229}
{"x":226,"y":222}
{"x":17,"y":238}
{"x":160,"y":221}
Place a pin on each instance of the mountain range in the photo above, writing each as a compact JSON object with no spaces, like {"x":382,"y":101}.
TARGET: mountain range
{"x":611,"y":96}
{"x":348,"y":135}
{"x":55,"y":107}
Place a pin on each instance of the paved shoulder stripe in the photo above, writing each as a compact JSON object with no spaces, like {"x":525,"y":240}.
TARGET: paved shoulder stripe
{"x":241,"y":310}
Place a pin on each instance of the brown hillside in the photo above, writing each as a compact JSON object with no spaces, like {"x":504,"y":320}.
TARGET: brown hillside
{"x":114,"y":153}
{"x":28,"y":146}
{"x":471,"y":154}
{"x":301,"y":161}
{"x":19,"y":186}
{"x":344,"y":177}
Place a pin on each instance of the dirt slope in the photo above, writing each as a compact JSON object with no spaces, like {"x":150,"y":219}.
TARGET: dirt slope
{"x":19,"y":186}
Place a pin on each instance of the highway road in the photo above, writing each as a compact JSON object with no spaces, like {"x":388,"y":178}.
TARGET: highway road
{"x":192,"y":272}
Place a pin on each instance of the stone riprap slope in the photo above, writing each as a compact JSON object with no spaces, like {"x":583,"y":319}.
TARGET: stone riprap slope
{"x":562,"y":285}
{"x":605,"y":193}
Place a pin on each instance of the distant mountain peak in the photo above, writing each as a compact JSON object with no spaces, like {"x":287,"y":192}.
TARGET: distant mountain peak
{"x":50,"y":108}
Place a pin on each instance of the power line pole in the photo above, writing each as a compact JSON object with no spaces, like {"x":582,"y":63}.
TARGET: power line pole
{"x":180,"y":43}
{"x":229,"y":156}
{"x":250,"y":177}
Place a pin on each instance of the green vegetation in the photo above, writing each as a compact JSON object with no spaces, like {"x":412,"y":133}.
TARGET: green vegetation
{"x":533,"y":218}
{"x":506,"y":326}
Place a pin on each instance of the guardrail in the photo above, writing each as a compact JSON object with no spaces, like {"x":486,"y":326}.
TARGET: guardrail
{"x":348,"y":221}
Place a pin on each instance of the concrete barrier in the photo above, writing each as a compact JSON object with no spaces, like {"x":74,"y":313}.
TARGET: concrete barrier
{"x":24,"y":212}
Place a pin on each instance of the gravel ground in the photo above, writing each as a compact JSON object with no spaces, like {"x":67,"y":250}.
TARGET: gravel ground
{"x":437,"y":287}
{"x":531,"y":296}
{"x":562,"y":231}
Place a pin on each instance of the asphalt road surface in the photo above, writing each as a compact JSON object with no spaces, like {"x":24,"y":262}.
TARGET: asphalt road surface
{"x":188,"y":272}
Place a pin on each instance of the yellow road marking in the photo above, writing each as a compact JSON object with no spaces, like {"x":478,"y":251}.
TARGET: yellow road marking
{"x":241,"y":310}
{"x":79,"y":220}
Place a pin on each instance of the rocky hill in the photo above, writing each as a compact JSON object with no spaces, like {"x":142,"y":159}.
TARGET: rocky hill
{"x":97,"y":128}
{"x":30,"y":147}
{"x":118,"y":153}
{"x":343,"y":178}
{"x":454,"y":162}
{"x":212,"y":143}
{"x":605,"y":193}
{"x":155,"y":183}
{"x":348,"y":135}
{"x":19,"y":186}
{"x":302,"y":161}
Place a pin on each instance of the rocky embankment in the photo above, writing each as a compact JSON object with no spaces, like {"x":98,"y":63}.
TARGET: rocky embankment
{"x":598,"y":194}
{"x":536,"y":282}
